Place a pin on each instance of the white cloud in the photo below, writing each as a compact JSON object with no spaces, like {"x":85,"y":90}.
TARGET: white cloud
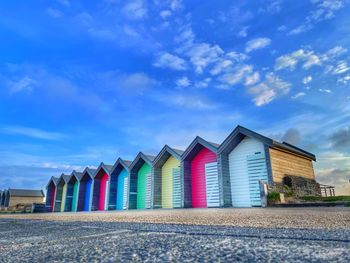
{"x":64,"y":2}
{"x":135,"y":10}
{"x":325,"y":9}
{"x":326,"y":91}
{"x":269,"y":89}
{"x":220,"y":66}
{"x":282,"y":28}
{"x":176,"y":5}
{"x":186,"y":101}
{"x":32,"y":132}
{"x":290,"y":61}
{"x":341,"y":67}
{"x":167,"y":60}
{"x":236,"y":74}
{"x":203,"y":54}
{"x":243,"y":32}
{"x":202,"y":83}
{"x":307,"y":79}
{"x":165,"y":14}
{"x":298,"y":95}
{"x":252,"y":79}
{"x":55,"y":13}
{"x":23,"y":84}
{"x":183,"y":82}
{"x":257,"y":43}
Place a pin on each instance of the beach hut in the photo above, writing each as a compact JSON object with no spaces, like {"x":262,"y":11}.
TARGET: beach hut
{"x":61,"y":192}
{"x":101,"y":186}
{"x":167,"y":182}
{"x":85,"y":190}
{"x":119,"y":185}
{"x":2,"y":198}
{"x":7,"y":198}
{"x":50,"y":194}
{"x":72,"y":192}
{"x":247,"y":158}
{"x":140,"y":191}
{"x":200,"y":174}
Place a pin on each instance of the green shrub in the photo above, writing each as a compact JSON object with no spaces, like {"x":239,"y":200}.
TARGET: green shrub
{"x":311,"y":198}
{"x":273,"y":197}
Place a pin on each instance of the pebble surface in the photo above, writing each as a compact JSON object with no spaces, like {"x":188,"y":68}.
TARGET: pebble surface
{"x":193,"y":235}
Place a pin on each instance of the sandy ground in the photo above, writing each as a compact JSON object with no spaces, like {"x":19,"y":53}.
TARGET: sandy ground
{"x":311,"y":218}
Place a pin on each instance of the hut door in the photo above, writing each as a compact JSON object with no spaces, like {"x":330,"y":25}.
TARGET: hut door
{"x":257,"y":171}
{"x":125,"y":193}
{"x":148,"y":190}
{"x":212,"y":184}
{"x":177,"y":188}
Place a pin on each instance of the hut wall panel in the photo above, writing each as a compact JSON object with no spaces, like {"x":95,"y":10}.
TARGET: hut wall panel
{"x":187,"y":183}
{"x":64,"y":195}
{"x":225,"y":178}
{"x":14,"y":200}
{"x":121,"y":195}
{"x":103,"y":189}
{"x":75,"y":196}
{"x":157,"y":187}
{"x":142,"y":185}
{"x":198,"y":176}
{"x":81,"y":195}
{"x":133,"y":190}
{"x":283,"y":163}
{"x":113,"y":191}
{"x":69,"y":197}
{"x":58,"y":200}
{"x":96,"y":194}
{"x":167,"y":181}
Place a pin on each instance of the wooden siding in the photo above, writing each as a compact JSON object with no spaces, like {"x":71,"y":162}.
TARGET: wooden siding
{"x":283,"y":163}
{"x":167,"y":181}
{"x":14,"y":200}
{"x":198,"y":178}
{"x":142,"y":175}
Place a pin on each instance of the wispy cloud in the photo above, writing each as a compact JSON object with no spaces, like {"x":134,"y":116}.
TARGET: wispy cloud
{"x":269,"y":89}
{"x":23,"y":84}
{"x":183,"y":82}
{"x":324,"y":10}
{"x":53,"y":12}
{"x":135,"y":10}
{"x":298,"y":95}
{"x":290,"y":61}
{"x":257,"y":43}
{"x":32,"y":132}
{"x":167,"y":60}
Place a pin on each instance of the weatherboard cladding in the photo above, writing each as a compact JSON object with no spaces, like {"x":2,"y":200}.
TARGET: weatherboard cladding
{"x":50,"y":195}
{"x":85,"y":189}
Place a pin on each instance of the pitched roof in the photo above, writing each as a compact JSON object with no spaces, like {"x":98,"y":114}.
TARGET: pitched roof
{"x":145,"y":157}
{"x":199,"y":141}
{"x":26,"y":192}
{"x":239,"y":132}
{"x":164,"y":154}
{"x":78,"y":175}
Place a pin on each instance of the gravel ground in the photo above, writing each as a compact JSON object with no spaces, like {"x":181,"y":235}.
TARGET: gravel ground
{"x":320,"y":217}
{"x":72,"y":241}
{"x":204,"y":235}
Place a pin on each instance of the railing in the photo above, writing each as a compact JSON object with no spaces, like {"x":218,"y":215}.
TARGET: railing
{"x":327,"y":190}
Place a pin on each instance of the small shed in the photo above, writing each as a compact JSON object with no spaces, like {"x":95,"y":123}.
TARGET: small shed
{"x":51,"y":193}
{"x":1,"y":198}
{"x":24,"y":196}
{"x":119,"y":185}
{"x":247,"y":157}
{"x":167,"y":183}
{"x":202,"y":186}
{"x":101,"y":186}
{"x":140,"y":195}
{"x":85,"y":189}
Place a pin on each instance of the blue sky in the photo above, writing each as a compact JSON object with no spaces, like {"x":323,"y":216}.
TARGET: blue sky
{"x":88,"y":81}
